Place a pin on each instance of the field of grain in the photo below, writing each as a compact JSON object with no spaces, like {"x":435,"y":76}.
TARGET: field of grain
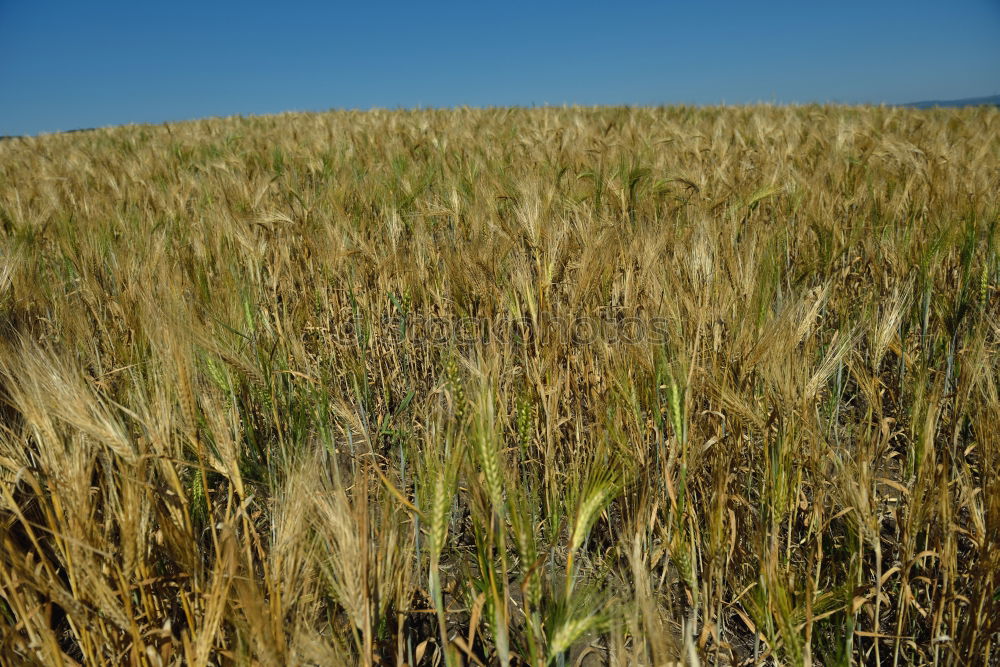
{"x":531,"y":386}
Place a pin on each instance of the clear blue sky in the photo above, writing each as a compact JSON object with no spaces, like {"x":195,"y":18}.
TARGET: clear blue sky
{"x":67,"y":65}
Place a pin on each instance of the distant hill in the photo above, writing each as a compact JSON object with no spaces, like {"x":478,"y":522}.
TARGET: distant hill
{"x":4,"y":137}
{"x":993,"y":100}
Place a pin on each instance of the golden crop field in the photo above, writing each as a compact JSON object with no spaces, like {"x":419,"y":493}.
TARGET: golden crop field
{"x":555,"y":386}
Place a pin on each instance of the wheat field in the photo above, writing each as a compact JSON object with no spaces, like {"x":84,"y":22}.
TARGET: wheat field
{"x":567,"y":386}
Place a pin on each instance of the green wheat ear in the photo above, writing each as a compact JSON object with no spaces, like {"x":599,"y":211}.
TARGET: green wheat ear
{"x":487,"y":448}
{"x":984,"y":284}
{"x":595,"y":500}
{"x":598,"y":492}
{"x":570,"y":630}
{"x":198,"y":496}
{"x":525,"y":423}
{"x":522,"y":523}
{"x":440,"y":510}
{"x":677,"y":410}
{"x":217,"y":373}
{"x":455,"y":386}
{"x":570,"y":620}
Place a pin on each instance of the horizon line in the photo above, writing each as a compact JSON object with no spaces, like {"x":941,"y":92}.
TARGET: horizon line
{"x":922,"y":105}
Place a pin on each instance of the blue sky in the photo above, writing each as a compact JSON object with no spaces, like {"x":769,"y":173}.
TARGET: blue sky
{"x":66,"y":65}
